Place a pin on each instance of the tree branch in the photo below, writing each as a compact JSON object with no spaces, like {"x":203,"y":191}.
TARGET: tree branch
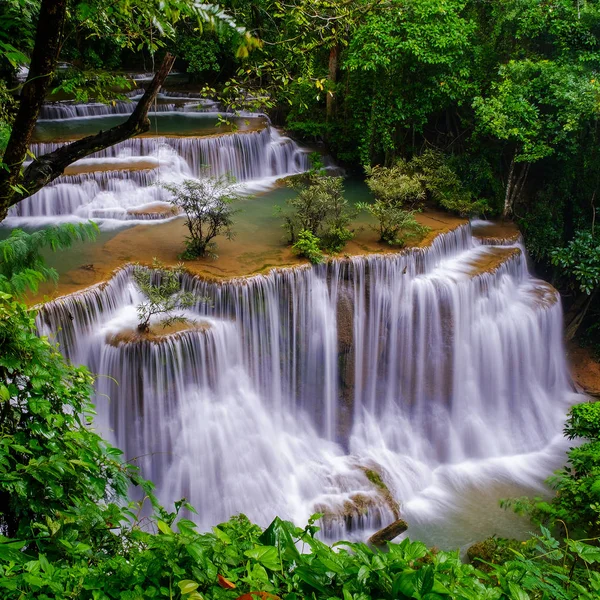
{"x":48,"y":167}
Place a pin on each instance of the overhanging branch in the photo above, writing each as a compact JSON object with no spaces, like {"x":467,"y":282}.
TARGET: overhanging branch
{"x":48,"y":167}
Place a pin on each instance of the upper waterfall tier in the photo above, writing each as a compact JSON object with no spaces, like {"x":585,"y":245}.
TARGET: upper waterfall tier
{"x":440,"y":368}
{"x":166,"y":103}
{"x":138,"y":165}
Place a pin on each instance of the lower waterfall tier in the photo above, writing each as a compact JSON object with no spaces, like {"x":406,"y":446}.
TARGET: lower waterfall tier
{"x":427,"y":383}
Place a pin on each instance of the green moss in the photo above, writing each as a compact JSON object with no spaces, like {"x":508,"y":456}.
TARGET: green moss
{"x":497,"y":551}
{"x":375,"y":479}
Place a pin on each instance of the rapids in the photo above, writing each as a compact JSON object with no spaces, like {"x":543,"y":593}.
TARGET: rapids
{"x":441,"y":369}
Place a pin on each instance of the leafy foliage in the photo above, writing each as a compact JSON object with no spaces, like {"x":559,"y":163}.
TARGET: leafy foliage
{"x":428,"y":175}
{"x":162,"y":288}
{"x":393,"y":188}
{"x":396,"y":225}
{"x":581,"y":258}
{"x":22,"y":266}
{"x":58,"y":479}
{"x":319,"y":208}
{"x":207,"y":204}
{"x":576,"y":506}
{"x":307,"y":245}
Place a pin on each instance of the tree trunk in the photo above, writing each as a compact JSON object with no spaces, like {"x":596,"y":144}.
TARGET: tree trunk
{"x":577,"y":312}
{"x":508,"y":194}
{"x":41,"y":69}
{"x":333,"y":68}
{"x":514,"y":186}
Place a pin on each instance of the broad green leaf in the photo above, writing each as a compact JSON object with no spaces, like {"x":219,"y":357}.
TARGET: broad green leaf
{"x":266,"y":556}
{"x":164,"y":528}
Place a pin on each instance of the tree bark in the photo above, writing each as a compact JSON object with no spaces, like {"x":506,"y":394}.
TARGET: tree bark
{"x":41,"y":69}
{"x":508,"y":194}
{"x":333,"y":68}
{"x":16,"y":185}
{"x":576,"y":314}
{"x":514,"y":186}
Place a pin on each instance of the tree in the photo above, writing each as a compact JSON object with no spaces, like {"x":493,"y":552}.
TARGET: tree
{"x":396,"y":225}
{"x":134,"y":24}
{"x":319,"y":208}
{"x":395,"y":187}
{"x":162,"y":288}
{"x":208,"y":207}
{"x":539,"y":108}
{"x":405,"y":64}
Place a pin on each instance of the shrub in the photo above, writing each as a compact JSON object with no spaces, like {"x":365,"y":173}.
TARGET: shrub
{"x":410,"y":183}
{"x":398,"y":185}
{"x":162,"y":288}
{"x":320,"y":208}
{"x":396,"y":225}
{"x":207,"y":204}
{"x":307,"y":245}
{"x":580,"y":259}
{"x":444,"y":186}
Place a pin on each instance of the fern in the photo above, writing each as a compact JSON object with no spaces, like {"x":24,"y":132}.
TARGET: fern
{"x":22,"y":266}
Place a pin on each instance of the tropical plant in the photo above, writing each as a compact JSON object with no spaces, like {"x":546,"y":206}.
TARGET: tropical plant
{"x":162,"y":288}
{"x":575,"y":508}
{"x":208,"y":207}
{"x":22,"y":266}
{"x":581,"y":260}
{"x":59,"y":480}
{"x":398,"y":184}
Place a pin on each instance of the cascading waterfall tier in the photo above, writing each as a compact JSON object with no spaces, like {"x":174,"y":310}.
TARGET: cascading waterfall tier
{"x":117,"y":183}
{"x":71,"y":110}
{"x":441,"y":369}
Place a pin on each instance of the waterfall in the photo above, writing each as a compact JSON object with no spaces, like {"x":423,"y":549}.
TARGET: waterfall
{"x":441,"y":369}
{"x":120,"y":181}
{"x":166,"y":102}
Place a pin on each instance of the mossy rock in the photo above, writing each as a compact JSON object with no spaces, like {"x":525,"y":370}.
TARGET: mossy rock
{"x":496,"y":551}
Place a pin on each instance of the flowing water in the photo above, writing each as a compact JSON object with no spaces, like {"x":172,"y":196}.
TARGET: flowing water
{"x":121,"y":184}
{"x":439,"y":371}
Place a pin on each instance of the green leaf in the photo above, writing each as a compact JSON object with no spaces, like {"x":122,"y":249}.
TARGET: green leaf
{"x":516,"y":592}
{"x":266,"y":556}
{"x":590,"y":554}
{"x":187,"y":586}
{"x":221,"y":535}
{"x":164,"y":528}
